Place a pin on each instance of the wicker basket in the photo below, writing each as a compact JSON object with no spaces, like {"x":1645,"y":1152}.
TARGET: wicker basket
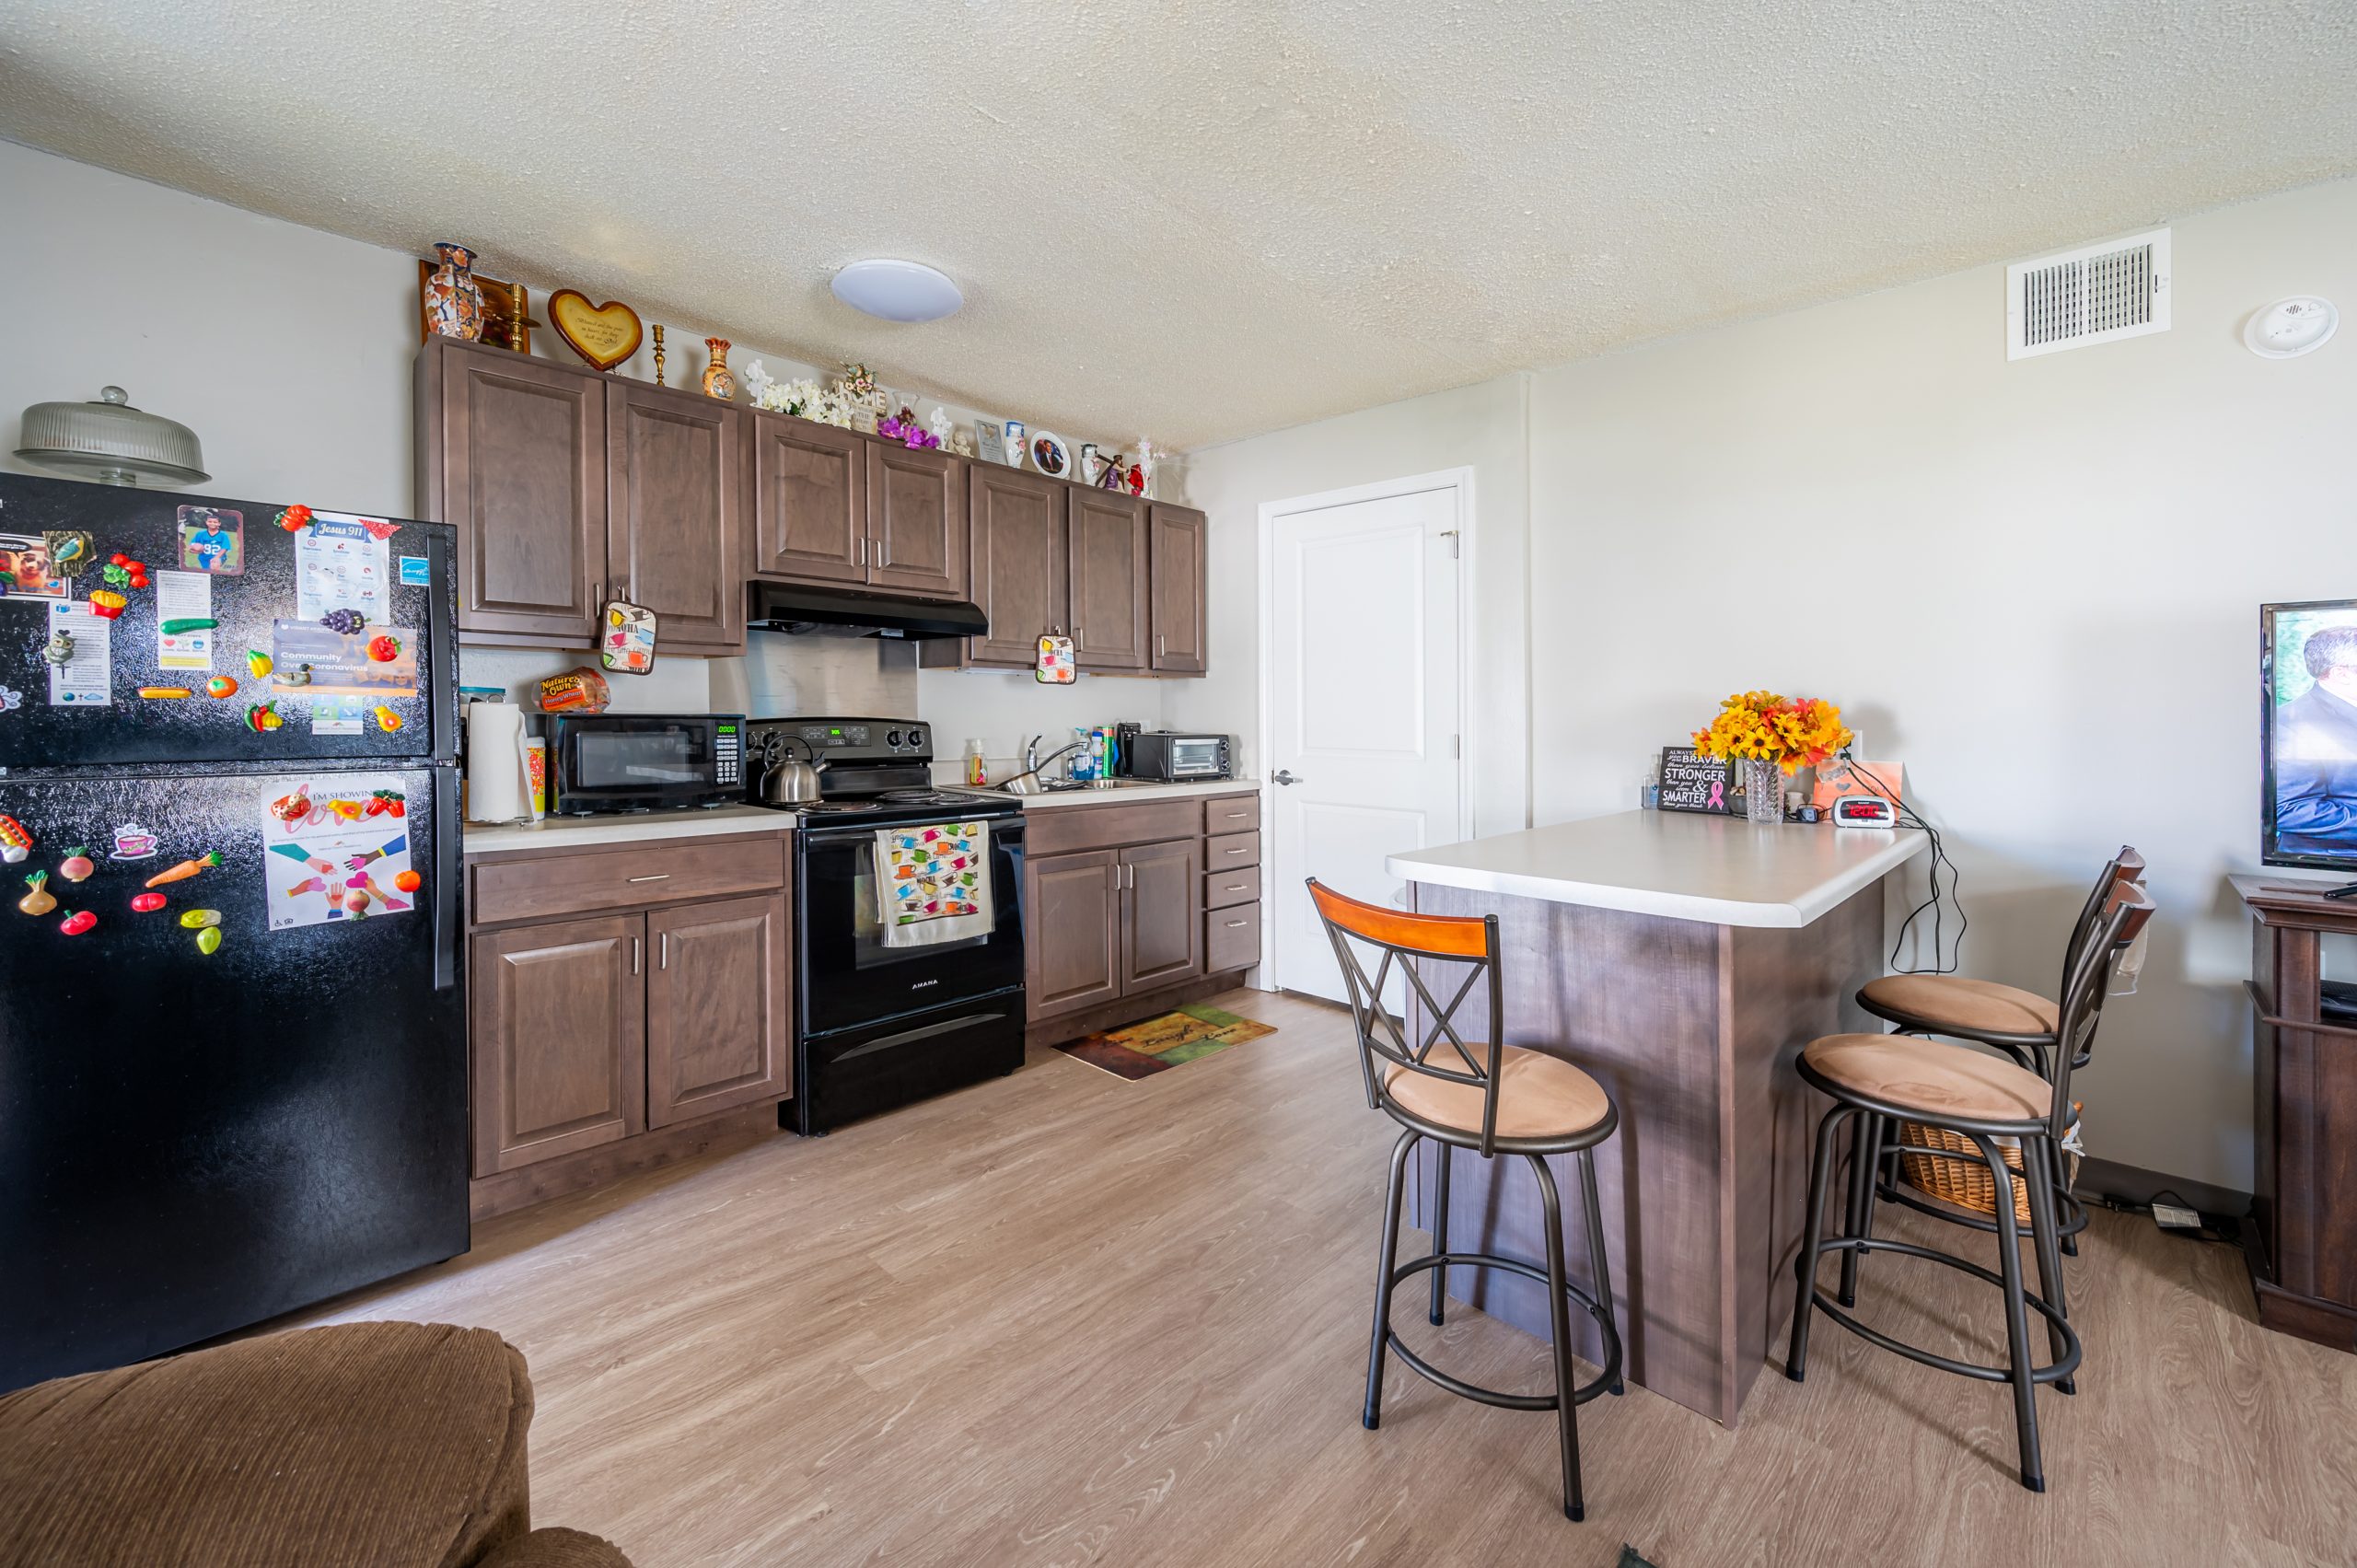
{"x":1965,"y":1183}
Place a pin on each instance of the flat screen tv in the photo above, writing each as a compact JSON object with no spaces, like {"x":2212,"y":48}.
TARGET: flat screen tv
{"x":2307,"y":731}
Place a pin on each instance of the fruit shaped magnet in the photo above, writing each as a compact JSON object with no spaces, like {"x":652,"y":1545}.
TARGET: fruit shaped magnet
{"x":356,"y":896}
{"x":59,"y":650}
{"x":197,"y":920}
{"x":262,"y":718}
{"x":343,"y":623}
{"x":208,"y":941}
{"x":384,"y":648}
{"x":408,"y":881}
{"x":291,"y":809}
{"x":106,"y":604}
{"x":186,"y":869}
{"x":69,"y":552}
{"x":347,"y":810}
{"x":387,"y":719}
{"x":149,"y":903}
{"x":293,"y":519}
{"x":257,"y":663}
{"x":77,"y":866}
{"x":15,"y":843}
{"x":122,"y":571}
{"x":77,"y":923}
{"x":41,"y":900}
{"x":221,"y":686}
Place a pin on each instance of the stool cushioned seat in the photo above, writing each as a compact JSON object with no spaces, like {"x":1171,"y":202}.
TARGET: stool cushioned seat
{"x":1935,"y":1080}
{"x":1539,"y":1095}
{"x":1982,"y":1006}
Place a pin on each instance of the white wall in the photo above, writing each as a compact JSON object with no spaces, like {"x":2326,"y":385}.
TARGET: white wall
{"x":289,"y":352}
{"x":1479,"y":427}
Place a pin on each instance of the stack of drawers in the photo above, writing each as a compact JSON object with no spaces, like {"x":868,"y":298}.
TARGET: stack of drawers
{"x":1231,"y":882}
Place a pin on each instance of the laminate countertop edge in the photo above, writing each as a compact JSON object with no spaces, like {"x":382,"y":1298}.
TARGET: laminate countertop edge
{"x":1715,"y":870}
{"x":585,"y":832}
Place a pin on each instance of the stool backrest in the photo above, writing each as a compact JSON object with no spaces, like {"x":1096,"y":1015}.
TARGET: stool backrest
{"x":2125,"y":913}
{"x":2126,"y":866}
{"x":1357,"y":928}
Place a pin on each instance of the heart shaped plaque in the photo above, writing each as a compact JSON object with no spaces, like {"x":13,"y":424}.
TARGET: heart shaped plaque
{"x":605,"y":334}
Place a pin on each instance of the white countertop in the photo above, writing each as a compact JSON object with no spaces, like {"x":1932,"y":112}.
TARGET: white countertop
{"x":1720,"y":870}
{"x":1126,"y":793}
{"x":579,"y":833}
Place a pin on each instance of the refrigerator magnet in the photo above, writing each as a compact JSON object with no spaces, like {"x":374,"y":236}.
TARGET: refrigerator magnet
{"x":15,"y":843}
{"x":70,"y":551}
{"x":133,"y":841}
{"x":212,"y":540}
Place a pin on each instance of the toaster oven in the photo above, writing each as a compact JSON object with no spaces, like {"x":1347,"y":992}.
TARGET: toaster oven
{"x":1172,"y":757}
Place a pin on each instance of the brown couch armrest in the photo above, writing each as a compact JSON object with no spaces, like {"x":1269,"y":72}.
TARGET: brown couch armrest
{"x":555,"y":1548}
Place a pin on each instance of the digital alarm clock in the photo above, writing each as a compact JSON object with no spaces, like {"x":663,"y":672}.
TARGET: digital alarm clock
{"x":1864,"y":811}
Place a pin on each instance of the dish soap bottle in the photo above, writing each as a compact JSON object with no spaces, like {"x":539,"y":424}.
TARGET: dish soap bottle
{"x":977,"y":770}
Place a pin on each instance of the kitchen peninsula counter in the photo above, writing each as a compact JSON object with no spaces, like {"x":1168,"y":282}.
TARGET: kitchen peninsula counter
{"x":1684,"y":960}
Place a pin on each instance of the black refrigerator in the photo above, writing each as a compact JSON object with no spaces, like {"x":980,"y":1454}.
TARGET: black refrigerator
{"x":233,"y":1072}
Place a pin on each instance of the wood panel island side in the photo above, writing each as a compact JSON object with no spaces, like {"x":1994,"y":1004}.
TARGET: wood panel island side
{"x":1684,"y":960}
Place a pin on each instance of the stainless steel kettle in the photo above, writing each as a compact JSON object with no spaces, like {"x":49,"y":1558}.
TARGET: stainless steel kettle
{"x":786,"y":779}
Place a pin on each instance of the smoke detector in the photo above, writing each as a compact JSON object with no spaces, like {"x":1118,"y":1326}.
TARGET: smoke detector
{"x":2097,"y":293}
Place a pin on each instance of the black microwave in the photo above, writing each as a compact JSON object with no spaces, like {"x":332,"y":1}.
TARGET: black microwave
{"x":1172,"y":757}
{"x":602,"y":762}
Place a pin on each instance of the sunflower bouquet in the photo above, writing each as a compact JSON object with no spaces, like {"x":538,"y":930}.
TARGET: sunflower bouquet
{"x":1768,"y":730}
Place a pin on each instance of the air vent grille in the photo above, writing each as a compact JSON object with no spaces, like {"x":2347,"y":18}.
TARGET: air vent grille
{"x":2095,"y":295}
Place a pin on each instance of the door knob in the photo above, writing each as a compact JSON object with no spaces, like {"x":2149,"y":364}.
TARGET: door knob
{"x":1284,"y":776}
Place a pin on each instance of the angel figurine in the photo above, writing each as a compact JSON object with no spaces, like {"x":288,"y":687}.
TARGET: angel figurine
{"x":757,"y":381}
{"x":940,"y":423}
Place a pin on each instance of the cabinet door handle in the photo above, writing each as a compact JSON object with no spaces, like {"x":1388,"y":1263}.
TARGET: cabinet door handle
{"x":658,"y":876}
{"x":1233,"y":849}
{"x":1158,"y":649}
{"x":663,"y":951}
{"x":636,"y":950}
{"x":1233,"y":888}
{"x":863,"y":549}
{"x":1233,"y":925}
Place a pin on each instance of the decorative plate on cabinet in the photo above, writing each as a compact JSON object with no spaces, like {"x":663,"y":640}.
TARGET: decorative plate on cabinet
{"x":1050,"y":455}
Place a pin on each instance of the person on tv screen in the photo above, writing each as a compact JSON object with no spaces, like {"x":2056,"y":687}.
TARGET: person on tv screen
{"x":2316,"y":750}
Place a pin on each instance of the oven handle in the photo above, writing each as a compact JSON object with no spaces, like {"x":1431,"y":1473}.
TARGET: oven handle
{"x":911,"y":1037}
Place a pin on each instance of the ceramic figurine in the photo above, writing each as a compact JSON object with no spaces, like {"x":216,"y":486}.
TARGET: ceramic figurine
{"x":300,"y":676}
{"x":1148,"y":455}
{"x":717,"y":380}
{"x":453,"y":298}
{"x":939,"y":423}
{"x":1012,"y":434}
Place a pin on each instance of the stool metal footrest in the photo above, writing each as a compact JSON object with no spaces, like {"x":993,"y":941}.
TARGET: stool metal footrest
{"x":1607,"y":1380}
{"x":2056,"y":1371}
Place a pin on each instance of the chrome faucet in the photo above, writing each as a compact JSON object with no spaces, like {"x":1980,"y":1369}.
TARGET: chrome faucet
{"x":1033,"y":761}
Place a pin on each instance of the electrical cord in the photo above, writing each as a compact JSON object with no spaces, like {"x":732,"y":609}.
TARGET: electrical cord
{"x":1908,"y":817}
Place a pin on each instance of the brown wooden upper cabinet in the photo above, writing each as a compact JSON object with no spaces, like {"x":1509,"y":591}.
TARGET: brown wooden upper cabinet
{"x":1019,"y":562}
{"x":916,"y":522}
{"x":674,"y":513}
{"x":512,"y":452}
{"x":809,"y":501}
{"x":1108,"y":581}
{"x":1176,"y":581}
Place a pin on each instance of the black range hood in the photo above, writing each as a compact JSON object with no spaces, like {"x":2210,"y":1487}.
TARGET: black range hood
{"x":850,"y":612}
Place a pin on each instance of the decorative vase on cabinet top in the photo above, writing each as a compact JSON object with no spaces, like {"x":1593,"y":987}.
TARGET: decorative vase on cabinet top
{"x":453,"y":298}
{"x":719,"y":382}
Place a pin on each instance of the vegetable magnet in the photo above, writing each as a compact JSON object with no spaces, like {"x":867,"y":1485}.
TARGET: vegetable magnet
{"x":293,"y":519}
{"x":161,"y":692}
{"x":77,"y":866}
{"x":122,"y":571}
{"x":186,"y":869}
{"x":409,"y":881}
{"x":147,"y":903}
{"x":262,"y":718}
{"x":15,"y":843}
{"x":197,"y":920}
{"x":41,"y":900}
{"x":77,"y":923}
{"x":221,"y":686}
{"x":180,"y":623}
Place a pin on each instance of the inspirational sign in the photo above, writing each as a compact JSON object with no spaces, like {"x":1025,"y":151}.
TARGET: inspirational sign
{"x":1691,"y":782}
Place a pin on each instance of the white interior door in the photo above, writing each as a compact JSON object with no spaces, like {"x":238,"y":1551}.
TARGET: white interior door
{"x":1363,"y":706}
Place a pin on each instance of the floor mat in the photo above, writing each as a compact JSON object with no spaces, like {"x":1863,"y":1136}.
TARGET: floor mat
{"x":1159,"y":1044}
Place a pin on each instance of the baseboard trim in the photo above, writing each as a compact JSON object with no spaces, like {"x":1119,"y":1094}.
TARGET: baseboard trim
{"x":2133,"y":1184}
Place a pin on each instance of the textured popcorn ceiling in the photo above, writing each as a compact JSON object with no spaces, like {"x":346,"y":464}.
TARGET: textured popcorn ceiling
{"x":1204,"y":220}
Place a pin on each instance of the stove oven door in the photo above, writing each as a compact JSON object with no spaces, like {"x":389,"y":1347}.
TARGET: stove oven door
{"x":847,"y":978}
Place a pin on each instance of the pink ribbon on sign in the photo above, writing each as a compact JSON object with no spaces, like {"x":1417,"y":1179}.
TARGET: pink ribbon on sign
{"x":1718,"y":798}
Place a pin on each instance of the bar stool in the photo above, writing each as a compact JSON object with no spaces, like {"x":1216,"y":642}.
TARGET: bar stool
{"x":1983,"y":1099}
{"x":2020,"y":1023}
{"x":1486,"y":1097}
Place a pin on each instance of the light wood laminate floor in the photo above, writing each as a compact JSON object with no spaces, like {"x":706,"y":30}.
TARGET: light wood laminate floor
{"x":1061,"y":1319}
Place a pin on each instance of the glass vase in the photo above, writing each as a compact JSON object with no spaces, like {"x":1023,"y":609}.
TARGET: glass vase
{"x":1763,"y":791}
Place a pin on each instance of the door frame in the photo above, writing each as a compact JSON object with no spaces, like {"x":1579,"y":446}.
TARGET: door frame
{"x":1458,"y":481}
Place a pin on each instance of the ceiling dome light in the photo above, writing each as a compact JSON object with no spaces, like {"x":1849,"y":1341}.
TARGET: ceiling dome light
{"x":898,"y":290}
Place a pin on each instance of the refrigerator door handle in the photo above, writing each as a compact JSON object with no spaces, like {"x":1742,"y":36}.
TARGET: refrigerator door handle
{"x":446,"y":877}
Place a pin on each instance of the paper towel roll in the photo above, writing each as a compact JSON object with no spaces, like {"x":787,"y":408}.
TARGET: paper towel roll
{"x":496,"y":790}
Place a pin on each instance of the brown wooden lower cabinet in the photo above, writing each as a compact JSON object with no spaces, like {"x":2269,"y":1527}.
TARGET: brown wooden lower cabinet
{"x":1072,"y":938}
{"x":1162,"y":915}
{"x":637,"y":1026}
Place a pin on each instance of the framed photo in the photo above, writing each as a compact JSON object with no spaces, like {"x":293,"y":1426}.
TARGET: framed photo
{"x":987,"y":444}
{"x":24,"y":571}
{"x":507,"y":311}
{"x":212,"y":539}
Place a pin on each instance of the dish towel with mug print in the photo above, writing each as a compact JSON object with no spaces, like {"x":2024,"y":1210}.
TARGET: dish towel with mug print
{"x":933,"y":883}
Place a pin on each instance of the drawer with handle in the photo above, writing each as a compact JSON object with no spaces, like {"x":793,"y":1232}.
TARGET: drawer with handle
{"x":1232,"y":814}
{"x":1231,"y":852}
{"x":1222,"y":888}
{"x":1232,"y":938}
{"x":535,"y":886}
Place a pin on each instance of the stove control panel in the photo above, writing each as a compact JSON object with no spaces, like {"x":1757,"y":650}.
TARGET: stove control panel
{"x":852,"y":740}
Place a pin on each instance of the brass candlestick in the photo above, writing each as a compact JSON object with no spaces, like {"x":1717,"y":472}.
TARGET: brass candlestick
{"x":658,"y":356}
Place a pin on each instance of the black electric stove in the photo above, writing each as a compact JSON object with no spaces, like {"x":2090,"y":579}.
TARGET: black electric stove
{"x":878,"y":1024}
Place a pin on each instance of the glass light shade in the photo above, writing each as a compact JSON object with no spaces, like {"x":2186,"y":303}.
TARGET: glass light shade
{"x":898,"y":290}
